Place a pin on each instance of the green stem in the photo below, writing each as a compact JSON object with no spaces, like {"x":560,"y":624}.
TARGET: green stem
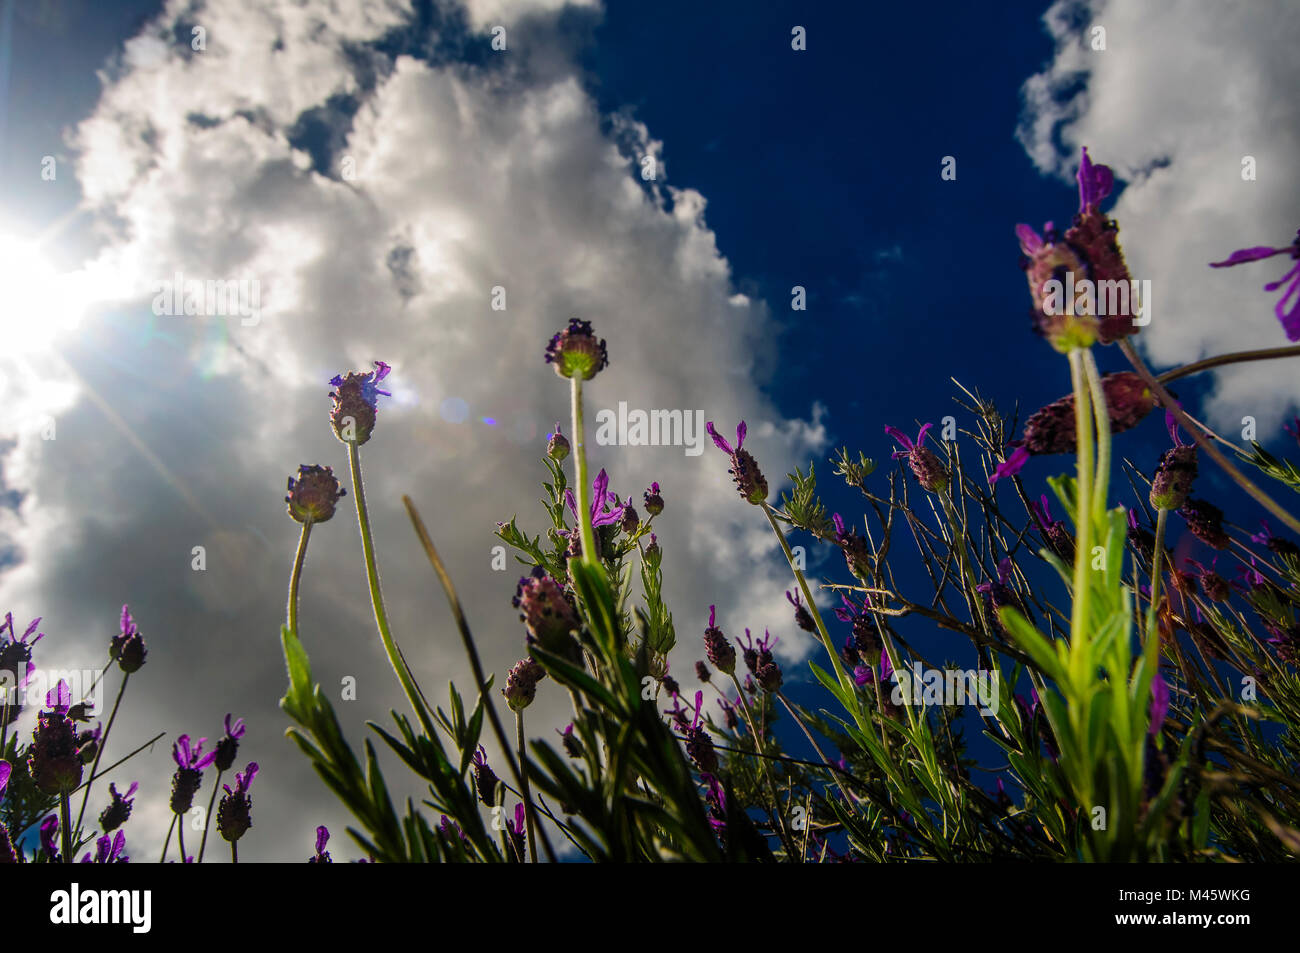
{"x":65,"y":809}
{"x":1236,"y":357}
{"x":528,"y":798}
{"x":782,"y":833}
{"x":99,"y":753}
{"x":207,"y":818}
{"x":1079,"y":611}
{"x":298,"y":559}
{"x":377,"y":596}
{"x":1101,"y":416}
{"x":583,"y":488}
{"x":167,"y":841}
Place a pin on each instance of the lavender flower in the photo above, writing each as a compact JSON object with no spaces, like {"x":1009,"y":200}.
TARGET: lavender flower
{"x":866,"y":640}
{"x":128,"y":647}
{"x":7,"y":853}
{"x":1215,"y":587}
{"x":313,"y":496}
{"x":744,"y":468}
{"x":356,"y":399}
{"x":718,"y":648}
{"x":228,"y":745}
{"x":573,"y":745}
{"x":576,"y":352}
{"x":1205,"y":522}
{"x":926,"y":466}
{"x":654,"y":503}
{"x":16,"y":651}
{"x":49,"y":837}
{"x":557,"y":445}
{"x":190,"y":762}
{"x":857,"y":552}
{"x":517,"y":830}
{"x":108,"y":850}
{"x":699,"y":746}
{"x":322,"y":856}
{"x":1055,"y":534}
{"x":235,"y":814}
{"x":802,"y":617}
{"x":1173,"y":478}
{"x":119,"y":808}
{"x":1287,"y":308}
{"x":1274,"y":544}
{"x":760,"y":661}
{"x":547,"y":610}
{"x":521,"y":683}
{"x":485,"y":779}
{"x":53,"y":760}
{"x":702,"y":671}
{"x":605,"y":511}
{"x":1051,"y":429}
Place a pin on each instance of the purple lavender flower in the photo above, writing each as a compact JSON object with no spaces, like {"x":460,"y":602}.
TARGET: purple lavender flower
{"x":108,"y":850}
{"x":699,"y":746}
{"x":1055,"y":534}
{"x":119,"y":808}
{"x":128,"y":645}
{"x":228,"y":745}
{"x":715,"y":798}
{"x":7,"y":853}
{"x":654,"y":502}
{"x":1215,"y":587}
{"x":547,"y":610}
{"x":235,"y":814}
{"x":485,"y":779}
{"x":576,"y":352}
{"x":1287,"y":308}
{"x":702,"y":671}
{"x":718,"y":648}
{"x":322,"y":856}
{"x":802,"y":617}
{"x":857,"y":552}
{"x":573,"y":745}
{"x":190,"y":762}
{"x":605,"y":511}
{"x":53,"y":760}
{"x":750,"y":481}
{"x":1173,"y":478}
{"x":1274,"y":544}
{"x":925,"y":465}
{"x":760,"y":661}
{"x":356,"y":400}
{"x":517,"y":830}
{"x":866,"y":639}
{"x":16,"y":651}
{"x":1205,"y":522}
{"x":314,"y":494}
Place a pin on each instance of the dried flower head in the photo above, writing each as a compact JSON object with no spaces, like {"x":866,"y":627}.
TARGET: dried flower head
{"x":576,"y":352}
{"x":314,"y":494}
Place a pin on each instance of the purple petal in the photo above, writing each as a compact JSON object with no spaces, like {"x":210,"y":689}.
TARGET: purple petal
{"x":741,"y":430}
{"x":1095,"y":182}
{"x":1290,"y":318}
{"x":901,"y":437}
{"x":1243,"y":255}
{"x":717,"y":441}
{"x":322,"y":838}
{"x":600,"y":490}
{"x":711,"y":614}
{"x":839,"y":524}
{"x":1030,"y":242}
{"x":1011,"y":466}
{"x":920,"y":437}
{"x":381,"y":371}
{"x":5,"y":769}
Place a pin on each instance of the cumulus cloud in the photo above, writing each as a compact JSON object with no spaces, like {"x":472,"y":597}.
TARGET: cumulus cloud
{"x":1182,"y":93}
{"x":379,"y":200}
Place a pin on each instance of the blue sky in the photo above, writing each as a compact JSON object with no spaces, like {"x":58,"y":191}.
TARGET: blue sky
{"x":477,"y":169}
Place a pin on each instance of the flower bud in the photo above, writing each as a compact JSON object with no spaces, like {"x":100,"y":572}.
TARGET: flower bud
{"x":557,"y":447}
{"x":547,"y":611}
{"x":356,"y":399}
{"x":576,"y":352}
{"x":312,"y":497}
{"x":521,"y":683}
{"x":654,"y":503}
{"x":1173,"y":478}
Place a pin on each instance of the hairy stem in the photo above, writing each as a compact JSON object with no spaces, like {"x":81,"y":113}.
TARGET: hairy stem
{"x":582,"y":488}
{"x":296,"y":575}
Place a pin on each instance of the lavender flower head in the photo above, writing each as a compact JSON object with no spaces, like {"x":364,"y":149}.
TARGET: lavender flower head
{"x":190,"y":762}
{"x":717,"y":647}
{"x":744,"y":468}
{"x":119,"y":808}
{"x":557,"y":445}
{"x":654,"y":503}
{"x":1287,"y":308}
{"x":547,"y":610}
{"x":16,"y":651}
{"x":1172,"y":481}
{"x":857,"y":552}
{"x":7,"y":853}
{"x":925,"y":465}
{"x":314,"y":494}
{"x":521,"y":683}
{"x":356,"y":399}
{"x":228,"y":745}
{"x":576,"y":352}
{"x":802,"y":617}
{"x":49,"y":836}
{"x":485,"y":779}
{"x":605,"y":511}
{"x":128,"y":645}
{"x":699,"y":746}
{"x":53,"y":760}
{"x":322,"y":856}
{"x":235,"y":814}
{"x":108,"y":850}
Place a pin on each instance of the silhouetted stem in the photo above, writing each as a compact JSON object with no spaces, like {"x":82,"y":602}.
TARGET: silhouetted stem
{"x":99,"y":752}
{"x":203,"y":843}
{"x":1237,"y":357}
{"x":296,"y":576}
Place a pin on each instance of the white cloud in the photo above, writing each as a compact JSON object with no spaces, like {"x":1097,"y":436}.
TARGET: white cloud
{"x":465,"y":179}
{"x":1182,"y":92}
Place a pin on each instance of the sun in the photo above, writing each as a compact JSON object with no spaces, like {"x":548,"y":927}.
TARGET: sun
{"x":38,"y":304}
